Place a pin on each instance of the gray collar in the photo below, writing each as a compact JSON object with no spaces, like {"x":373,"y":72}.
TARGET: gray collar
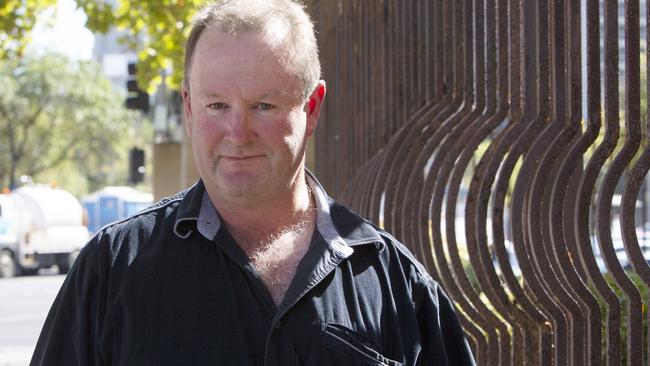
{"x":208,"y":223}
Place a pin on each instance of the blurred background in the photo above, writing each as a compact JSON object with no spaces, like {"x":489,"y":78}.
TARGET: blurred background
{"x":90,"y":132}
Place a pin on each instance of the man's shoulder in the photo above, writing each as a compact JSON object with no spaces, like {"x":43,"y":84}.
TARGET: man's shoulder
{"x":403,"y":256}
{"x":132,"y":233}
{"x":391,"y":251}
{"x":163,"y":210}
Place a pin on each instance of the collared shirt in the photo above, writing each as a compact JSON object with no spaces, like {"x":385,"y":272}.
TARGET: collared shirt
{"x":170,"y":286}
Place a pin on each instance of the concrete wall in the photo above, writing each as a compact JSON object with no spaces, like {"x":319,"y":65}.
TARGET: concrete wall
{"x":166,"y":169}
{"x":189,"y":174}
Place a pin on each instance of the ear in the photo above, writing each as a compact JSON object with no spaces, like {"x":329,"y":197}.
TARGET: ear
{"x":313,"y":106}
{"x":187,"y":104}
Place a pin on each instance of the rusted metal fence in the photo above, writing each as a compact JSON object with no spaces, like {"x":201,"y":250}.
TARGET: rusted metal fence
{"x":489,"y":137}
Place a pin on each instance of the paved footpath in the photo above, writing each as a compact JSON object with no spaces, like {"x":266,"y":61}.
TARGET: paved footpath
{"x":24,"y":303}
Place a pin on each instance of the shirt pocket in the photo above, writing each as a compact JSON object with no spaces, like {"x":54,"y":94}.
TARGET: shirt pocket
{"x":339,"y":345}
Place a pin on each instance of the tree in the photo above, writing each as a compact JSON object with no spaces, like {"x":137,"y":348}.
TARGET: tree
{"x":157,"y":28}
{"x":54,"y":113}
{"x":17,"y":18}
{"x":165,"y":25}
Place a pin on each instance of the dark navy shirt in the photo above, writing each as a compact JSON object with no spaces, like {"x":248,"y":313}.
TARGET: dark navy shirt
{"x":170,"y":286}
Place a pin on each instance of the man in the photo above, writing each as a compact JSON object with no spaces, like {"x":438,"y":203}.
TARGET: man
{"x":253,"y":265}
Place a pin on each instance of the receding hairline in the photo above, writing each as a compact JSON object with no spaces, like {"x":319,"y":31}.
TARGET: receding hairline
{"x":278,"y":43}
{"x":228,"y":29}
{"x":234,"y":17}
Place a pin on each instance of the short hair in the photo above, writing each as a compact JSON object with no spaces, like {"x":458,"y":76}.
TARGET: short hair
{"x":233,"y":16}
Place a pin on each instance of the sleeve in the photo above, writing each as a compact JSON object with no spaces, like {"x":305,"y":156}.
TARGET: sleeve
{"x":70,"y":335}
{"x":442,"y":337}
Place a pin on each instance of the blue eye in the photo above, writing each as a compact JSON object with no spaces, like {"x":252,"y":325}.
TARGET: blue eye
{"x":264,"y":106}
{"x":217,"y":105}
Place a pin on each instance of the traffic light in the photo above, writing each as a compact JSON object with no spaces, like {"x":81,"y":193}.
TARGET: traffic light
{"x":136,"y":98}
{"x":136,"y":165}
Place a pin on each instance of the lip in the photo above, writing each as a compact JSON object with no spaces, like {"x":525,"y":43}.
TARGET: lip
{"x":240,"y":158}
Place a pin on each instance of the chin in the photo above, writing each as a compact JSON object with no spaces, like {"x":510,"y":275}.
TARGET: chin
{"x":240,"y":183}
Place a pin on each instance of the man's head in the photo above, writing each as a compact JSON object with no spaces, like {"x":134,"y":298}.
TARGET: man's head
{"x":252,"y":98}
{"x":262,"y":16}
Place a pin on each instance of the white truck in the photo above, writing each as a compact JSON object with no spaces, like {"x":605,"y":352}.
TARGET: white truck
{"x":40,"y":226}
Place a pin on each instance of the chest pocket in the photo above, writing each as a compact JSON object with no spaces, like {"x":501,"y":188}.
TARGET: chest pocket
{"x":340,"y":346}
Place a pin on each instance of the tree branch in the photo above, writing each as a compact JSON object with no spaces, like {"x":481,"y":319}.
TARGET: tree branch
{"x":64,"y":154}
{"x":26,"y":126}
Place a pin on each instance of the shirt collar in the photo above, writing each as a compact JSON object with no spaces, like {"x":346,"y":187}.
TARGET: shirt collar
{"x":341,"y":228}
{"x":208,"y":222}
{"x":337,"y":224}
{"x":188,"y":210}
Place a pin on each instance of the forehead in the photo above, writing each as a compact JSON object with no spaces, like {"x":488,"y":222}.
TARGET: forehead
{"x":248,"y":58}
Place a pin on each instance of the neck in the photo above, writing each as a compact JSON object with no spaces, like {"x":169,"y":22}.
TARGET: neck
{"x":254,"y":225}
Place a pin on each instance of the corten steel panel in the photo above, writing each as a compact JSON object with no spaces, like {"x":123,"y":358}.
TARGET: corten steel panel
{"x":459,"y":126}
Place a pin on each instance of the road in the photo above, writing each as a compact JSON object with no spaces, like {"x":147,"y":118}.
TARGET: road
{"x":24,"y":303}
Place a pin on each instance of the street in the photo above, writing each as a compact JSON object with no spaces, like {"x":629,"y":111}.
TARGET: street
{"x":24,"y":303}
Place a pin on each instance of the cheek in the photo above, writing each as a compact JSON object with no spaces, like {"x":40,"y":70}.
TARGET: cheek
{"x":296,"y":122}
{"x":279,"y":139}
{"x":275,"y":136}
{"x":294,"y":136}
{"x":207,"y":130}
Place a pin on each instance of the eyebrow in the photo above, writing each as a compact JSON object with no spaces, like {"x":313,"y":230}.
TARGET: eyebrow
{"x":258,"y":97}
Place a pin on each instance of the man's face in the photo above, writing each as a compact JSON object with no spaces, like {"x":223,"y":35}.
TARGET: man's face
{"x":247,"y":117}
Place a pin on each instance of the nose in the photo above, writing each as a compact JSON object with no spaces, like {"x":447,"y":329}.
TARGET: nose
{"x":240,"y":128}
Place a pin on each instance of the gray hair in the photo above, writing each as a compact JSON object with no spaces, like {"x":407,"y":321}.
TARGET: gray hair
{"x":233,"y":16}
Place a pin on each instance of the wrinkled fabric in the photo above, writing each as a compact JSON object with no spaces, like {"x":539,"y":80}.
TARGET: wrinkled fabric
{"x":152,"y":290}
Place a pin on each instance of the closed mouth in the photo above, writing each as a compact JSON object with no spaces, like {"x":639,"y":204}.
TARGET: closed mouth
{"x":241,"y":158}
